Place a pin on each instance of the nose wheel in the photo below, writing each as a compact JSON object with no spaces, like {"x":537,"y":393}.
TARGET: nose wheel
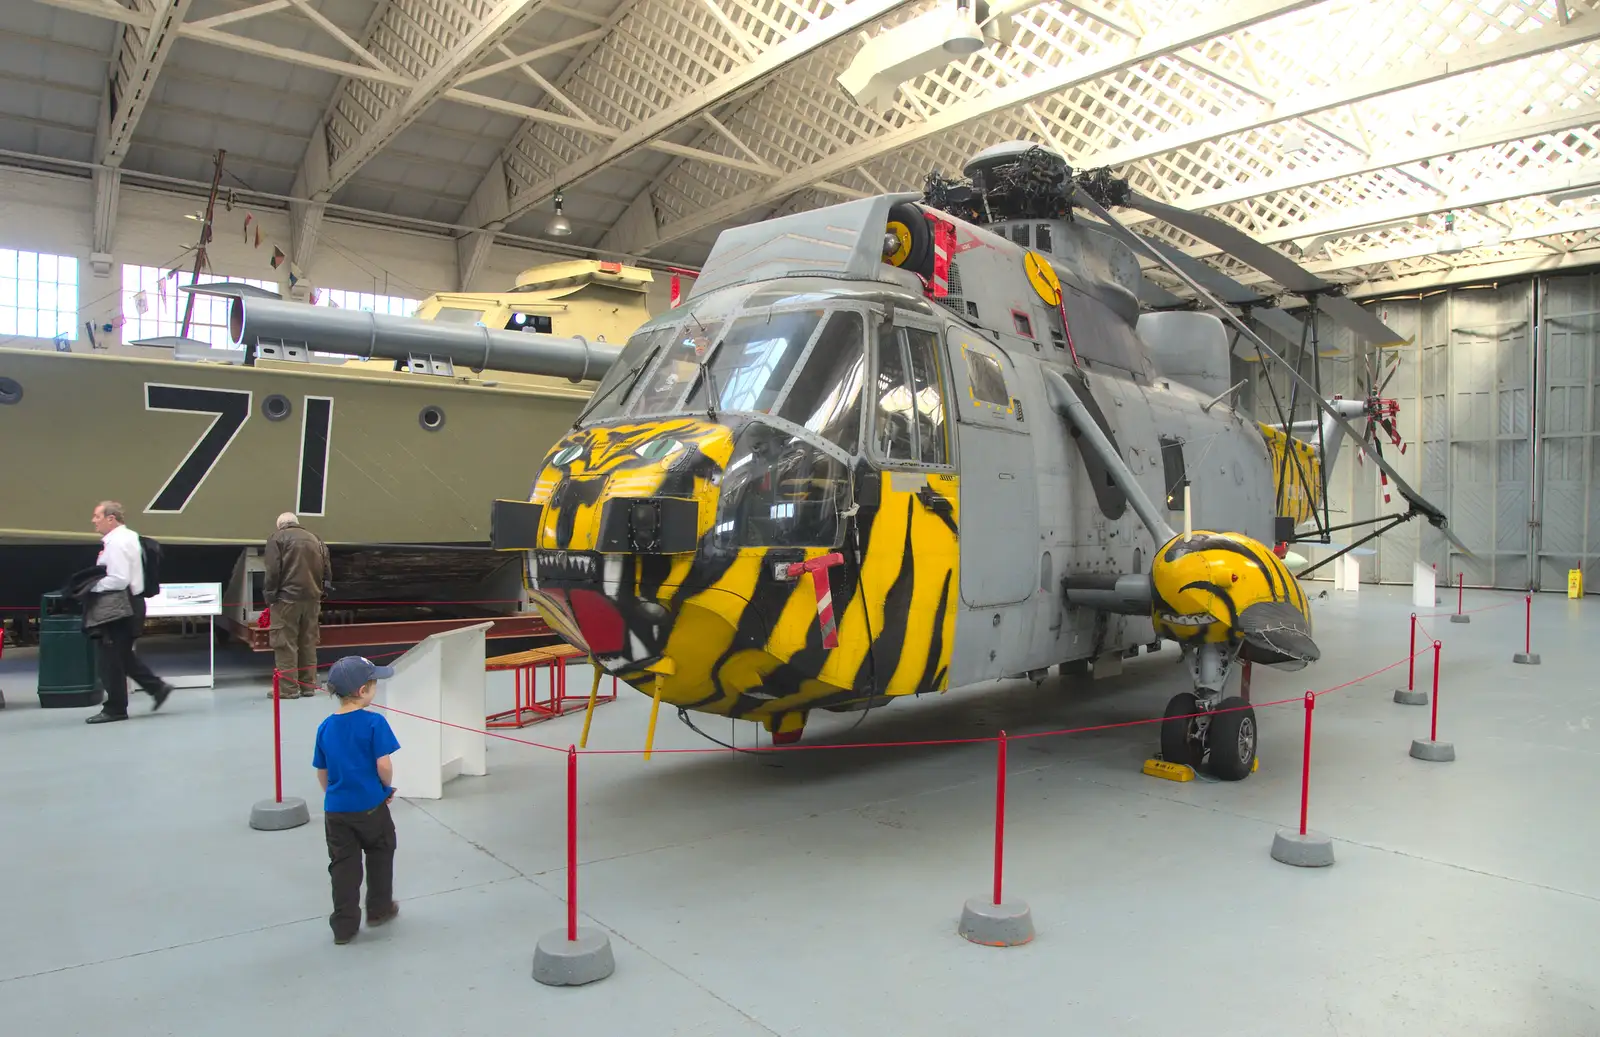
{"x":1220,"y":740}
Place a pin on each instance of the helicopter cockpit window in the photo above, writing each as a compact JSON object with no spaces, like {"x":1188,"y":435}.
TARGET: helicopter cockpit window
{"x":909,"y":419}
{"x":667,"y":384}
{"x":928,"y":392}
{"x":826,"y":395}
{"x":780,"y":490}
{"x":612,"y":393}
{"x":893,"y":431}
{"x":988,"y":382}
{"x":753,"y":361}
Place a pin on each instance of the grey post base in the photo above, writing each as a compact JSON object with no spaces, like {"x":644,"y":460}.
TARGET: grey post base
{"x":271,"y":816}
{"x":560,"y":962}
{"x":1460,"y":617}
{"x":996,"y":925}
{"x":1312,"y":850}
{"x":1408,"y":697}
{"x":1433,"y":752}
{"x":1526,"y":658}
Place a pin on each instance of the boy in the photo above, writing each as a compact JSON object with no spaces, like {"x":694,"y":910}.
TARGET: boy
{"x":353,"y":765}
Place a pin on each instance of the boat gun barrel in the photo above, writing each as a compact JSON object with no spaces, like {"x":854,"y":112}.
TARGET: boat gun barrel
{"x":253,"y":322}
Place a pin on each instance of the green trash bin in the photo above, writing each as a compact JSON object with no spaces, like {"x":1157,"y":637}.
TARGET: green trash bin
{"x":68,"y":675}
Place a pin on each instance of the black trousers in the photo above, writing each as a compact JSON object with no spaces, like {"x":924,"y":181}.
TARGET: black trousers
{"x":350,"y":837}
{"x":119,"y":661}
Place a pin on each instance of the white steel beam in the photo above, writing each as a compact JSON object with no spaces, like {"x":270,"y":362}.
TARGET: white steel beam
{"x":117,"y":13}
{"x":1224,"y":19}
{"x":134,"y":68}
{"x":503,"y":19}
{"x":1406,"y":153}
{"x":1485,"y":192}
{"x":1513,"y":47}
{"x":845,"y":19}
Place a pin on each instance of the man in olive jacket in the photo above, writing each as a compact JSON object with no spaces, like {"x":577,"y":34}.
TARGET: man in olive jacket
{"x":297,"y":570}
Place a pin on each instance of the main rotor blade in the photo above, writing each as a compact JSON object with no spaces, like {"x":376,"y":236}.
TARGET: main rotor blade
{"x":1271,"y":262}
{"x":1436,"y":517}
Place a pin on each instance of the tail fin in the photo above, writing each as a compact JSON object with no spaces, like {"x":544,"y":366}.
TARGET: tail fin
{"x":1297,"y":478}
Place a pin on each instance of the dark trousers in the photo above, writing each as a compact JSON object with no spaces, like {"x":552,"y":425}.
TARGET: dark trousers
{"x":350,"y":836}
{"x":118,"y":660}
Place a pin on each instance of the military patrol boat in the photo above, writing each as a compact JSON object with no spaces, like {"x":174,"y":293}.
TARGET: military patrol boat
{"x":387,"y":453}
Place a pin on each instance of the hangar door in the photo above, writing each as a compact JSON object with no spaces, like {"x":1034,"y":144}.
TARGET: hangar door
{"x":1569,"y":418}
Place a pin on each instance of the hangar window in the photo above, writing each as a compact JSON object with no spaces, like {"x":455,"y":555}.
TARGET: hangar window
{"x":38,"y":295}
{"x":153,"y":307}
{"x":339,"y":299}
{"x":1176,"y":475}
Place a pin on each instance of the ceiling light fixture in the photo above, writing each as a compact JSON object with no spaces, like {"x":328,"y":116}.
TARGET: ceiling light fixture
{"x":963,"y":37}
{"x":559,"y":226}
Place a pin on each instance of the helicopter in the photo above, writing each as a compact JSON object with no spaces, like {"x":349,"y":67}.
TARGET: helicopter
{"x":914,"y":442}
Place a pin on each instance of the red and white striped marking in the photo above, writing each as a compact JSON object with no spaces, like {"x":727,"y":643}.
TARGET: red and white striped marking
{"x":818,"y":568}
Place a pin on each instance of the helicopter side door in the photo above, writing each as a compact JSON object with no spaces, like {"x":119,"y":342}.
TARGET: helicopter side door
{"x":999,"y":511}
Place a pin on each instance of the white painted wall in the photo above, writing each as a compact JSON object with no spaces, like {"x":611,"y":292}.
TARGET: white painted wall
{"x":50,"y":213}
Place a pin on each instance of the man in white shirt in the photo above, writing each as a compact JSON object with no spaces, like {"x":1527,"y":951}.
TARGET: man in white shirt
{"x":124,"y":563}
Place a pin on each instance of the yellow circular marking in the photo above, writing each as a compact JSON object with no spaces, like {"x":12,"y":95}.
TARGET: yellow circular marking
{"x":902,"y":234}
{"x":1043,"y":278}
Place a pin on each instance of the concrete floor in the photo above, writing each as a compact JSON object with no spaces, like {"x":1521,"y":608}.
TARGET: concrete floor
{"x":818,"y":893}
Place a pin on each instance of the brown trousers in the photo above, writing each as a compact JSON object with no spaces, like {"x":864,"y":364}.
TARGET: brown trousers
{"x":293,"y":635}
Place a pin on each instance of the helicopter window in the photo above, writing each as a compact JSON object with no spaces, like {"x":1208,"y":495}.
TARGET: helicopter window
{"x":753,"y":361}
{"x":780,"y":490}
{"x":892,"y":428}
{"x":932,"y":445}
{"x":1176,"y":477}
{"x":1019,"y":234}
{"x":665,"y":387}
{"x":1041,"y":237}
{"x":611,"y":394}
{"x":1023,"y":325}
{"x":987,"y":380}
{"x":826,"y":395}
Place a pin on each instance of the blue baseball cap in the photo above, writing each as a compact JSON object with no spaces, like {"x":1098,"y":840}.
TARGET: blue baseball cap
{"x":350,"y":674}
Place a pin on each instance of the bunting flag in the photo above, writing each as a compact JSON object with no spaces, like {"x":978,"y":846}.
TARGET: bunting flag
{"x":258,"y":235}
{"x":316,"y":294}
{"x":141,"y":302}
{"x":277,"y":257}
{"x":247,"y":218}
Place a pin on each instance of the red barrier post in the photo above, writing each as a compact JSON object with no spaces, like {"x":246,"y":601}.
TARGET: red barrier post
{"x":1433,"y":733}
{"x":1461,"y":591}
{"x":1527,"y":626}
{"x":1305,"y":764}
{"x":1305,"y":849}
{"x":277,"y":741}
{"x":572,"y":843}
{"x":999,"y":817}
{"x":1411,"y":666}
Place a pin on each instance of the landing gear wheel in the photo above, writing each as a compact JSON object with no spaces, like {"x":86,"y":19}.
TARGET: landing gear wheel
{"x":1182,"y":733}
{"x":1232,"y":740}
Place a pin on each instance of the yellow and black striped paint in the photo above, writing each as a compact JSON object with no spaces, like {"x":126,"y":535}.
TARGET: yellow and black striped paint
{"x":1297,"y":486}
{"x":723,"y":631}
{"x":1222,"y":588}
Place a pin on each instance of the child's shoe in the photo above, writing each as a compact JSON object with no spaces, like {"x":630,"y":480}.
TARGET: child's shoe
{"x":380,"y":917}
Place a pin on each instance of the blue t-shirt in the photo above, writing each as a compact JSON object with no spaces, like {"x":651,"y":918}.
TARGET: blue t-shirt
{"x":348,"y":747}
